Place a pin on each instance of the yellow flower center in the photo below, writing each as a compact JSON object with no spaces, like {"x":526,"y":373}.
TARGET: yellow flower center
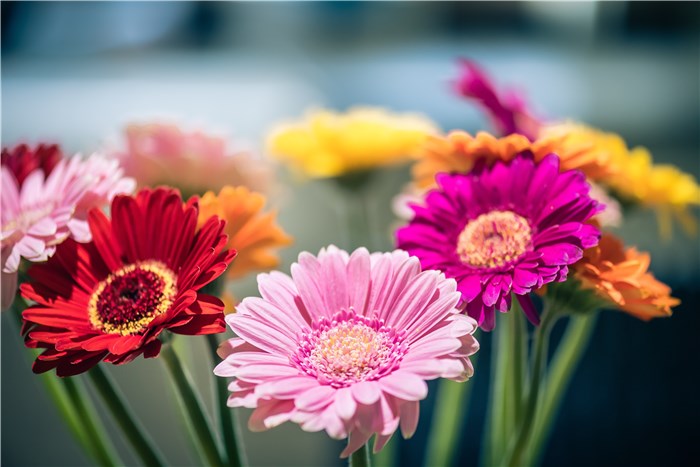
{"x":494,"y":239}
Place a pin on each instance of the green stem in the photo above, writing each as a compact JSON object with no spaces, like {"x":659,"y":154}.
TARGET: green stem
{"x":501,"y":411}
{"x":360,"y":458}
{"x":449,"y":415}
{"x":387,"y":456}
{"x":516,"y":449}
{"x":193,"y":407}
{"x":133,"y":431}
{"x":93,"y":428}
{"x":73,"y":403}
{"x":519,"y":358}
{"x":227,"y":424}
{"x":564,"y":363}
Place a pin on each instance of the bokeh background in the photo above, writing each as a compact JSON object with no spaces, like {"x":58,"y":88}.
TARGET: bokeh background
{"x":76,"y":73}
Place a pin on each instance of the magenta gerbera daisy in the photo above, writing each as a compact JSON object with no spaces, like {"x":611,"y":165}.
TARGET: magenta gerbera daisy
{"x":111,"y":299}
{"x":512,"y":227}
{"x":345,"y":345}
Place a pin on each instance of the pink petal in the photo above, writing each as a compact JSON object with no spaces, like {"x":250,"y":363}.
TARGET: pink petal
{"x":404,"y":385}
{"x":345,"y":404}
{"x":409,"y":418}
{"x":315,"y":399}
{"x":366,"y":392}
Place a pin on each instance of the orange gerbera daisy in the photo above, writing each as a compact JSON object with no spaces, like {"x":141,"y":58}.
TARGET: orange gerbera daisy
{"x":459,"y":151}
{"x":621,"y":276}
{"x":254,"y":233}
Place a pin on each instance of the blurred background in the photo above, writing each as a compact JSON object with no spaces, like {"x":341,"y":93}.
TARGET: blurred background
{"x":76,"y":73}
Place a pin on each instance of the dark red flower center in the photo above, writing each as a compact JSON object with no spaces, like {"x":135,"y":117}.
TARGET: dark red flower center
{"x":494,"y":239}
{"x":130,"y":298}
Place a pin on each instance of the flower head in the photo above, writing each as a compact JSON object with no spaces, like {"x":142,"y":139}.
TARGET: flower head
{"x":49,"y":207}
{"x":329,"y":144}
{"x":111,"y":299}
{"x":23,"y":160}
{"x":194,"y":161}
{"x":251,"y":233}
{"x":507,"y":111}
{"x":511,"y":227}
{"x":345,"y":345}
{"x":621,"y":276}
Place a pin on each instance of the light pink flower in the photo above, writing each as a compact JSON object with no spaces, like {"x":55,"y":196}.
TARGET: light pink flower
{"x":346,"y":344}
{"x":45,"y":210}
{"x":193,"y":161}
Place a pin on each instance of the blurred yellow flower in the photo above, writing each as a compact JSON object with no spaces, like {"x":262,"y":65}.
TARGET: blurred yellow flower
{"x":634,"y":176}
{"x":251,"y":232}
{"x":329,"y":144}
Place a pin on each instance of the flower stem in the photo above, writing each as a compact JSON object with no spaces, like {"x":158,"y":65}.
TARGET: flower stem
{"x":124,"y":418}
{"x":564,"y":363}
{"x":227,"y":424}
{"x":360,"y":458}
{"x":387,"y":456}
{"x":193,"y":407}
{"x":449,"y":415}
{"x":73,"y":403}
{"x":517,"y":447}
{"x":519,"y":359}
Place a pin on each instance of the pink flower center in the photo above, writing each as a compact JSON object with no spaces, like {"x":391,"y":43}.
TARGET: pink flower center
{"x":350,"y":348}
{"x":130,"y":298}
{"x":494,"y":239}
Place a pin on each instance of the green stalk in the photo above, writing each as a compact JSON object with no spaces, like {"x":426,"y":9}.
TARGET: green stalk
{"x":517,"y":447}
{"x":74,"y":406}
{"x":564,"y":363}
{"x":360,"y":458}
{"x":500,"y":416}
{"x":449,"y":415}
{"x":227,"y":424}
{"x":519,"y":359}
{"x":121,"y":413}
{"x":193,"y":407}
{"x":387,"y":456}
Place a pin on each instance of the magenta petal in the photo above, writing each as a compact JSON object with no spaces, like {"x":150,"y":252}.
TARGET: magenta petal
{"x":529,"y":309}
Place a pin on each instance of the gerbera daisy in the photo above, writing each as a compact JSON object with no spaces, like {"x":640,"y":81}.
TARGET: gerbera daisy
{"x":46,"y":208}
{"x":329,"y":144}
{"x":508,"y":111}
{"x":112,"y":298}
{"x":23,"y":160}
{"x":192,"y":160}
{"x":622,"y":277}
{"x":251,"y":233}
{"x":345,"y":345}
{"x":512,"y":227}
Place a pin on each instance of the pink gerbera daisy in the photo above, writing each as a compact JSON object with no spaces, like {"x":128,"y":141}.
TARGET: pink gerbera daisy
{"x":345,"y":345}
{"x":47,"y":208}
{"x":512,"y":227}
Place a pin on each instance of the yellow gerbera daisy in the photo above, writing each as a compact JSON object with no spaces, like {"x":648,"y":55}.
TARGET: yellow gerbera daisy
{"x":329,"y":144}
{"x":252,"y":233}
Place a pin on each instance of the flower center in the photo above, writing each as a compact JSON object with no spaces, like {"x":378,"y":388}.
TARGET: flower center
{"x":494,"y":239}
{"x":130,"y":298}
{"x":349,"y":348}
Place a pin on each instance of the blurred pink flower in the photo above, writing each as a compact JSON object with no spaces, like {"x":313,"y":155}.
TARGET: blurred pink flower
{"x":45,"y":209}
{"x":345,"y":345}
{"x":508,"y":110}
{"x":193,"y":161}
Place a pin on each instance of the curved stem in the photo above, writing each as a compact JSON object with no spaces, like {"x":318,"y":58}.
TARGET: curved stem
{"x":193,"y":407}
{"x":124,"y":417}
{"x":564,"y":363}
{"x":360,"y":458}
{"x":227,"y":424}
{"x":516,"y":451}
{"x":73,"y":403}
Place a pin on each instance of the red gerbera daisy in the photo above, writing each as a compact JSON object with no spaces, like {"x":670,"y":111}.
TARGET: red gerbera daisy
{"x":111,"y":299}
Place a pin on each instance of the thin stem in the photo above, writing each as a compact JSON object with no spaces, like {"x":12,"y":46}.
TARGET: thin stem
{"x":500,"y":411}
{"x":564,"y":363}
{"x":73,"y":403}
{"x":131,"y":428}
{"x":519,"y":358}
{"x":360,"y":458}
{"x":193,"y":407}
{"x":93,"y":428}
{"x":516,"y":451}
{"x":449,"y":415}
{"x":227,"y":424}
